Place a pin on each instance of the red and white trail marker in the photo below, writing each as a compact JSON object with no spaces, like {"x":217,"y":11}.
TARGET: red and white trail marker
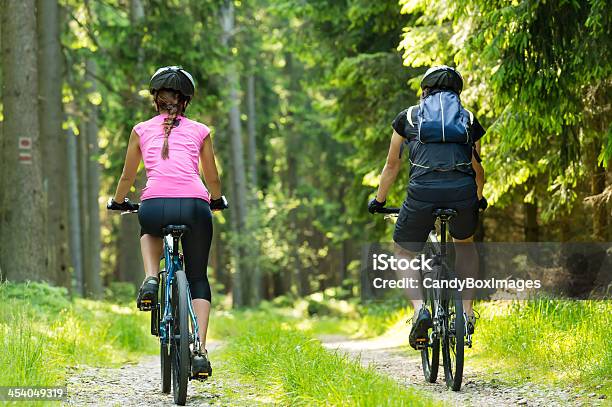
{"x":25,"y":143}
{"x":25,"y":150}
{"x":25,"y":158}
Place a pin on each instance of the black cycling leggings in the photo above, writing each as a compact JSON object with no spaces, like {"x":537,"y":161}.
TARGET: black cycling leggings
{"x":156,"y":213}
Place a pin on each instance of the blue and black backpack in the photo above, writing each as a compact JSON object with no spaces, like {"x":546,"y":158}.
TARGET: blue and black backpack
{"x":442,"y":119}
{"x":443,"y":125}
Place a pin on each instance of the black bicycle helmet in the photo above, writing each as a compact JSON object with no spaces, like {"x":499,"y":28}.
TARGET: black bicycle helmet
{"x":175,"y":78}
{"x":443,"y":77}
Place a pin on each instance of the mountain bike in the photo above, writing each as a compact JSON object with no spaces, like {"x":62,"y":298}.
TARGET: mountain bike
{"x":174,"y":321}
{"x":449,"y":325}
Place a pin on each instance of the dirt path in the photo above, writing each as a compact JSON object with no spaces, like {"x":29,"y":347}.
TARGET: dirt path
{"x":389,"y":355}
{"x":140,"y":385}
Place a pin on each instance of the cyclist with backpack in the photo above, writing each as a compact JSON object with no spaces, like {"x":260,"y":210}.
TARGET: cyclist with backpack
{"x":446,"y":171}
{"x":172,"y":147}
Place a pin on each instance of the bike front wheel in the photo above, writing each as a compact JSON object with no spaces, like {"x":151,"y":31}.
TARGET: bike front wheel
{"x":453,"y":339}
{"x":164,"y":349}
{"x":179,"y":342}
{"x":430,"y":355}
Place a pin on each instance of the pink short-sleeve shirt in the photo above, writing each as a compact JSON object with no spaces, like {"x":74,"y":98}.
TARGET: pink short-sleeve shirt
{"x":179,"y":175}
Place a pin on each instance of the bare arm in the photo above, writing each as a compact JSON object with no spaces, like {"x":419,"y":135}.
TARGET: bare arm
{"x":130,"y":168}
{"x":209,"y":168}
{"x":392,"y":167}
{"x":480,"y":174}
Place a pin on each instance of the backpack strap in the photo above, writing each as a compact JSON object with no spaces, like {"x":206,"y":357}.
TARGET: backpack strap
{"x":420,"y":119}
{"x":409,"y":115}
{"x":471,"y":116}
{"x":476,"y":155}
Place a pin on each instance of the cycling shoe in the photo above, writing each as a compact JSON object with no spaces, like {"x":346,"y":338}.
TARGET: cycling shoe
{"x":147,"y":294}
{"x":200,"y":366}
{"x":418,"y":334}
{"x":470,"y":323}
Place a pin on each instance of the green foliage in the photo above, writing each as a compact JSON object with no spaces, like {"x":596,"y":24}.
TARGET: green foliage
{"x":43,"y":332}
{"x":558,"y":341}
{"x":297,"y":370}
{"x":532,"y":69}
{"x":121,"y":293}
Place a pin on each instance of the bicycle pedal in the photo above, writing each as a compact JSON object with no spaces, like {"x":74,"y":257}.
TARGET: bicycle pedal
{"x":200,"y":376}
{"x":145,"y":305}
{"x":200,"y":368}
{"x":421,"y":343}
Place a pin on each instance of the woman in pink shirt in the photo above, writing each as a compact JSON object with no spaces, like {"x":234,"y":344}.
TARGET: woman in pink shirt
{"x":172,"y":147}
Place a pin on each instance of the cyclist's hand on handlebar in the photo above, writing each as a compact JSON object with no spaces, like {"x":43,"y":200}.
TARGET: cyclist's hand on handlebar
{"x":482,"y":204}
{"x":126,"y":205}
{"x":218,"y":204}
{"x":374,"y":205}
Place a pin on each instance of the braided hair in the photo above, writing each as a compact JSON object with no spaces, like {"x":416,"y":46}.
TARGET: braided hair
{"x":173,"y":103}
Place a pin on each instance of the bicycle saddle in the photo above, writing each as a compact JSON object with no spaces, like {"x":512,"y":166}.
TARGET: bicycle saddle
{"x":444,"y":213}
{"x":175,"y":230}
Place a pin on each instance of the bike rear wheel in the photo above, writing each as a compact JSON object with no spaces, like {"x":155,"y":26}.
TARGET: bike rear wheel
{"x":179,"y":343}
{"x":164,"y":347}
{"x":430,"y":356}
{"x":453,"y":339}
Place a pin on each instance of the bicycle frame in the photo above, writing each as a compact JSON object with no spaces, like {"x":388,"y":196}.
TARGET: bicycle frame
{"x":173,"y":259}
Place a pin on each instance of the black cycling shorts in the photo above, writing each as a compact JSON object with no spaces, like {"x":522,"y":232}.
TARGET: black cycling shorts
{"x":415,"y":221}
{"x":156,"y":213}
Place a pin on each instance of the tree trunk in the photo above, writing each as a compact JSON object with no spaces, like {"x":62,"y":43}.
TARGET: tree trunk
{"x":136,"y":18}
{"x":251,"y":128}
{"x":53,"y":139}
{"x":256,"y":281}
{"x":22,"y":220}
{"x":530,"y":221}
{"x":82,"y":162}
{"x":600,"y":213}
{"x":2,"y":276}
{"x":239,"y":208}
{"x":75,"y":214}
{"x":129,"y":260}
{"x":93,"y":280}
{"x":299,"y":273}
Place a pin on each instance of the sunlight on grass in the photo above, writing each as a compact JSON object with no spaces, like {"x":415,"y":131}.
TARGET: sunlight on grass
{"x":295,"y":369}
{"x":43,"y":333}
{"x":557,"y":341}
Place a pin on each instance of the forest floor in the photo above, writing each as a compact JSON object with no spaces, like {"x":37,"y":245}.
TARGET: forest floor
{"x":391,"y":355}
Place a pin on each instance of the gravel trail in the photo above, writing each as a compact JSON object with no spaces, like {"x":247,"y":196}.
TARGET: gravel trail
{"x":140,"y":385}
{"x":389,"y":355}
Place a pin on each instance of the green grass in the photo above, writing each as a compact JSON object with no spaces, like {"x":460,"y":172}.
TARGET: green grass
{"x":550,"y":341}
{"x":560,"y":342}
{"x":293,"y":368}
{"x":43,"y":332}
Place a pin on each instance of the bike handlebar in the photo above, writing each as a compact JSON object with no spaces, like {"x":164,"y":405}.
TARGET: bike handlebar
{"x":124,"y":207}
{"x":388,"y":210}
